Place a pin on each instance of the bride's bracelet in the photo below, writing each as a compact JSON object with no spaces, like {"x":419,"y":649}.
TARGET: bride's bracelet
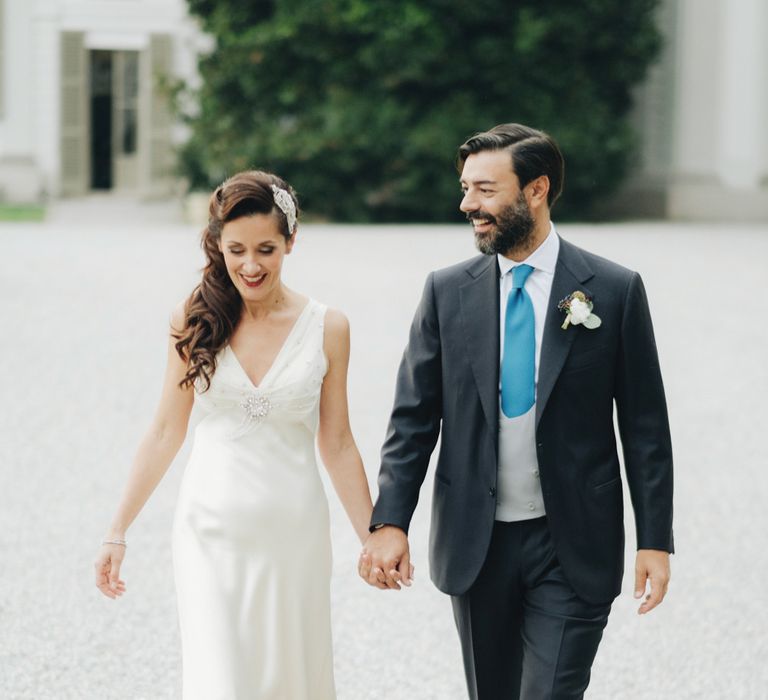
{"x":122,"y":543}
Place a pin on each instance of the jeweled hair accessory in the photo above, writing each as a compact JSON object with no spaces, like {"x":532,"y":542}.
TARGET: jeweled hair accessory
{"x":285,"y":202}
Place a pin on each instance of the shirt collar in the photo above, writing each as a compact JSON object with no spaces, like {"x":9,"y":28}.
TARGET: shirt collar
{"x":544,"y":258}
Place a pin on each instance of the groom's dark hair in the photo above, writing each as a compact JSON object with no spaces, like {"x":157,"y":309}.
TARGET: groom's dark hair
{"x":533,"y":153}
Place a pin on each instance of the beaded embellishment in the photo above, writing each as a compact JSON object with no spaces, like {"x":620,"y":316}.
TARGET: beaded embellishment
{"x":285,"y":202}
{"x":256,"y":407}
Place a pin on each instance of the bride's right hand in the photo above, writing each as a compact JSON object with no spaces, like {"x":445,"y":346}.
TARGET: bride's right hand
{"x":107,"y":566}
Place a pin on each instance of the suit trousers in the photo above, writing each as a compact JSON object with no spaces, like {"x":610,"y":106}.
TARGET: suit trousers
{"x":524,"y":633}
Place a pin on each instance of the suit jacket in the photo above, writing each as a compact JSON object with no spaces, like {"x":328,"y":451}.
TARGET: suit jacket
{"x":448,"y":384}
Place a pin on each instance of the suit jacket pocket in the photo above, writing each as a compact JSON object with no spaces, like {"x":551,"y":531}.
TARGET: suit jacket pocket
{"x":607,"y":485}
{"x":444,"y":480}
{"x":585,"y":359}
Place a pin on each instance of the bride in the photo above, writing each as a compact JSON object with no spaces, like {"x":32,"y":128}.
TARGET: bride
{"x":251,"y":546}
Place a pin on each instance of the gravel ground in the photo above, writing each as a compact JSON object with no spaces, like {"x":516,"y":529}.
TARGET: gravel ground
{"x":84,"y":302}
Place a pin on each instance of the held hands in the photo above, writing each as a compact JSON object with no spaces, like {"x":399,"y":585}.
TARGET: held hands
{"x":385,"y":560}
{"x":107,"y":569}
{"x":651,"y":565}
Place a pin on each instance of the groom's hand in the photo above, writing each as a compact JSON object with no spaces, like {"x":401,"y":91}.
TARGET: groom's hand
{"x":385,"y":561}
{"x":651,"y":565}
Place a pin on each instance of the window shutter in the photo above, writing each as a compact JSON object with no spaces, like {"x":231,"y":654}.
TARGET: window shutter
{"x":75,"y":167}
{"x":159,"y":155}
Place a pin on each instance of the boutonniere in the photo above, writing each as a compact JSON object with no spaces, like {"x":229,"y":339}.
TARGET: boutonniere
{"x":578,"y":309}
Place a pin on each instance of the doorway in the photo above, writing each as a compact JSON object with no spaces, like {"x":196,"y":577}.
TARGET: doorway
{"x":114,"y":97}
{"x":101,"y":120}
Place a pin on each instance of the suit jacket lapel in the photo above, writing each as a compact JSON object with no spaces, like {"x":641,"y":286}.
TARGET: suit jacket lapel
{"x":479,"y":302}
{"x":571,"y":271}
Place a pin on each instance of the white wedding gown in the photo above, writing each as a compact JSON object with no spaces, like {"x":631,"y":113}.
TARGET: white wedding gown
{"x":251,"y":540}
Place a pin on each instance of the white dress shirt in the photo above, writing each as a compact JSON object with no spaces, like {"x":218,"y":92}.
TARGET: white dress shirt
{"x":518,"y":492}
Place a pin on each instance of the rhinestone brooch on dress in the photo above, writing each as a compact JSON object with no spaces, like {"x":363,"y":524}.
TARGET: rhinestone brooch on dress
{"x":256,"y":407}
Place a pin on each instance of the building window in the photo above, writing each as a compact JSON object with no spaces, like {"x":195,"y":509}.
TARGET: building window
{"x":130,"y":103}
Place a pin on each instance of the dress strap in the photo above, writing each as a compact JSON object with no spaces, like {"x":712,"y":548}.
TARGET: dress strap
{"x":316,"y":320}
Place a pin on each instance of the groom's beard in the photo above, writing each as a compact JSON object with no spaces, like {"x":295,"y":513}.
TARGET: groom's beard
{"x":514,"y":228}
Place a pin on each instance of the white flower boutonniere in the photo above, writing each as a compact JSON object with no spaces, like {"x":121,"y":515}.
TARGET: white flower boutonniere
{"x":578,"y":309}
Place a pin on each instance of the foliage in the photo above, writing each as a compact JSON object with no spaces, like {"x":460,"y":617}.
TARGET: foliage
{"x":21,"y":212}
{"x":361,"y":104}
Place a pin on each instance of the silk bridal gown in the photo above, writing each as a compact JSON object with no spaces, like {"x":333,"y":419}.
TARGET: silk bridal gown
{"x":251,"y":538}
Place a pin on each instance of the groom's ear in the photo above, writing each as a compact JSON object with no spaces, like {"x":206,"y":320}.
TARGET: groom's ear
{"x":537,"y":191}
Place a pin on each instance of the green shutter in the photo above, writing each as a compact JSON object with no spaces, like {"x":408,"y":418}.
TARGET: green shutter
{"x":75,"y":168}
{"x":159,"y":155}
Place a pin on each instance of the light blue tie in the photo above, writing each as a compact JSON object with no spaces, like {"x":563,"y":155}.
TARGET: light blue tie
{"x":518,"y":363}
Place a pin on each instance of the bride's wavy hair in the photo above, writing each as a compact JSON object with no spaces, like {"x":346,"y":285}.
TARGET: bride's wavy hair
{"x":213,"y":309}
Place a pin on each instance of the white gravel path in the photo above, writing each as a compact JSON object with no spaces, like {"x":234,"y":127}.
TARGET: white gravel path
{"x":84,"y":302}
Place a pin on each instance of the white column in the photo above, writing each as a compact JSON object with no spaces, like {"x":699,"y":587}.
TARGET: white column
{"x":20,"y":175}
{"x":697,"y":89}
{"x":18,"y":136}
{"x":721,"y":106}
{"x":743,"y":124}
{"x":45,"y":119}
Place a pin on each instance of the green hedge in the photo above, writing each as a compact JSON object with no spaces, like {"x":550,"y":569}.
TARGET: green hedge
{"x":361,"y":104}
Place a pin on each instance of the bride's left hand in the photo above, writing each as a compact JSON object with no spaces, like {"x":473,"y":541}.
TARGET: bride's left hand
{"x":364,"y":564}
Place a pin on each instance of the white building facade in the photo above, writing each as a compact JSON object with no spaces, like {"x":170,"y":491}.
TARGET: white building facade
{"x":84,"y":104}
{"x":702,"y":116}
{"x":84,"y":98}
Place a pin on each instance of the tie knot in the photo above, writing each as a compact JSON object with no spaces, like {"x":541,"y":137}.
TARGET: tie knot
{"x":519,"y":275}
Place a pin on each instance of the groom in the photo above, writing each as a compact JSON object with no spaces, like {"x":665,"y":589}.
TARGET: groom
{"x":517,"y":358}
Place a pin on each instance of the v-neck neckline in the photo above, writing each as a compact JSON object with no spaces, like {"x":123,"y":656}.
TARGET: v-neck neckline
{"x":277,"y":357}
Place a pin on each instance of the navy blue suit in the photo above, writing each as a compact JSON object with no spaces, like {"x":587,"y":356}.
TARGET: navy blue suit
{"x":448,"y":385}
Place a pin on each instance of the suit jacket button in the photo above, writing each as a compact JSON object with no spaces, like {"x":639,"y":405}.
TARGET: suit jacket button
{"x":492,"y":492}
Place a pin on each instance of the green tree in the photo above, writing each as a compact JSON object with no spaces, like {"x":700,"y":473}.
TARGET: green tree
{"x":361,"y":104}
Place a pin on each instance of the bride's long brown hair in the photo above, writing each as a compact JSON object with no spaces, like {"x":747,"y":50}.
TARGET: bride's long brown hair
{"x":213,"y":308}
